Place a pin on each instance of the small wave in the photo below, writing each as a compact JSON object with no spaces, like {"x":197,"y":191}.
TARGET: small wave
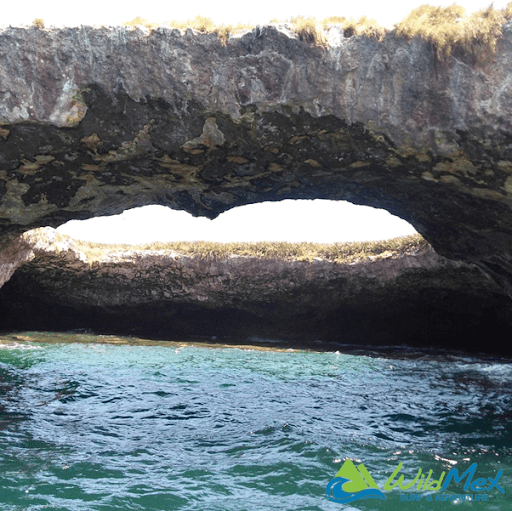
{"x":335,"y":492}
{"x":13,"y":345}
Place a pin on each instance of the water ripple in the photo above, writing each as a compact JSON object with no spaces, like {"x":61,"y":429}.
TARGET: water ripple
{"x":105,"y":427}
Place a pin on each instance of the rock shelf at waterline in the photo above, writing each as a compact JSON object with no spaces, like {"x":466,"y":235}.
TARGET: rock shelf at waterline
{"x":375,"y":293}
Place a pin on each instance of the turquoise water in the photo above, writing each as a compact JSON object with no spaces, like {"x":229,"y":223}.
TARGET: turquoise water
{"x":92,"y":423}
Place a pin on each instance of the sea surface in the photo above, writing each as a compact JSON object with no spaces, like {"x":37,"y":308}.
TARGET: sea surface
{"x":108,"y":423}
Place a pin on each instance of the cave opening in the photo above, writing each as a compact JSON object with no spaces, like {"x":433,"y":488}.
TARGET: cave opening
{"x":316,"y":221}
{"x":407,"y":296}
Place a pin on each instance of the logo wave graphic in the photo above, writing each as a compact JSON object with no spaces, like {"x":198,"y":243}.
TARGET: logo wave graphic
{"x":335,"y":492}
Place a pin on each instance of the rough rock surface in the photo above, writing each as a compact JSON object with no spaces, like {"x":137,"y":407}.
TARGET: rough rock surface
{"x":13,"y":253}
{"x":417,"y":298}
{"x":97,"y":120}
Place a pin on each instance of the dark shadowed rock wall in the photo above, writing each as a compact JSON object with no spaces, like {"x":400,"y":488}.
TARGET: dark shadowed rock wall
{"x":416,"y":297}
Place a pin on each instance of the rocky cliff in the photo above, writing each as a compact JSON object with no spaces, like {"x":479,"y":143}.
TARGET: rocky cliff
{"x":412,"y":296}
{"x":94,"y":120}
{"x":97,"y":120}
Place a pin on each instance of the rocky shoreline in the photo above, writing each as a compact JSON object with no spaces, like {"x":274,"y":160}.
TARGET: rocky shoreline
{"x":415,"y":297}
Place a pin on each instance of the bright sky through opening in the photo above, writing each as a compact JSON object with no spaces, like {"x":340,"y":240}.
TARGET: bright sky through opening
{"x":320,"y":221}
{"x":294,"y":221}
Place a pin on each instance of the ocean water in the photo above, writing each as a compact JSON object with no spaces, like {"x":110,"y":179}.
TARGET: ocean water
{"x":106,"y":423}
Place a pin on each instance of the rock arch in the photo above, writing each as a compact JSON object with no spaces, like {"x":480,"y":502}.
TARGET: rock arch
{"x":97,"y":120}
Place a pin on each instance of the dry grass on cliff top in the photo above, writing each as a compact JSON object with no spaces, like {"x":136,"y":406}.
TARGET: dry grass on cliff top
{"x":199,"y":23}
{"x":346,"y":253}
{"x":449,"y":27}
{"x":444,"y":27}
{"x":308,"y":29}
